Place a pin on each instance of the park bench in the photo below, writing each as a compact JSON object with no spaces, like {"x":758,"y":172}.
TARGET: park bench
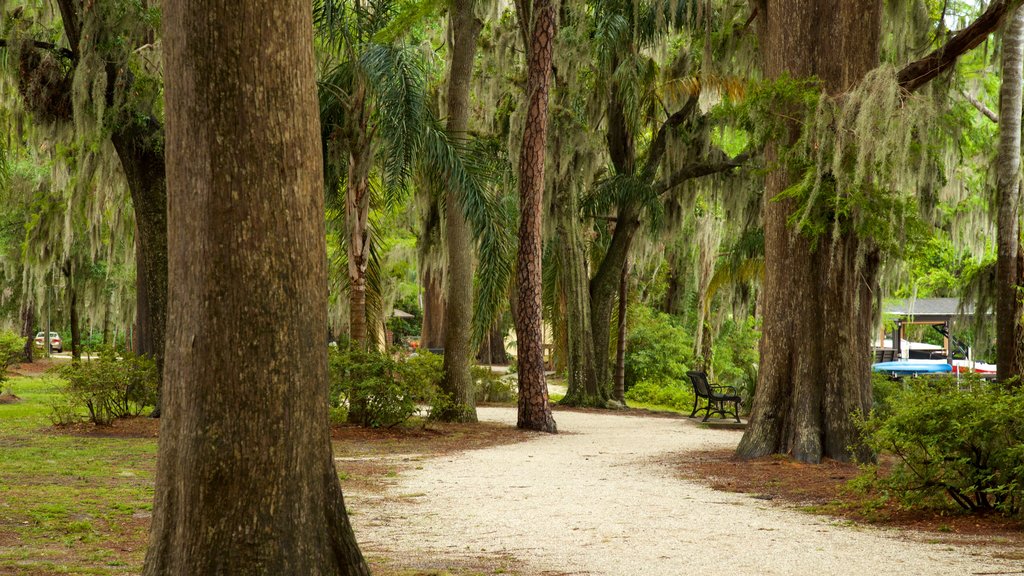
{"x":717,"y":398}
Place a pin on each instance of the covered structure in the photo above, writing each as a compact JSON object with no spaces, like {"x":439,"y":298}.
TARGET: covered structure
{"x":937,"y":312}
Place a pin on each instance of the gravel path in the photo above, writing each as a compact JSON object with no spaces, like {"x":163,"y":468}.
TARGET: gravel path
{"x":594,"y":500}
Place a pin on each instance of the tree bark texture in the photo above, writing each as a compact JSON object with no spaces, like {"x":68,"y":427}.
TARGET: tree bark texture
{"x":246,"y":482}
{"x":140,"y":146}
{"x":1008,"y":273}
{"x":619,"y":381}
{"x":457,"y":382}
{"x":432,"y":332}
{"x":814,"y":371}
{"x":534,"y":409}
{"x":492,"y":349}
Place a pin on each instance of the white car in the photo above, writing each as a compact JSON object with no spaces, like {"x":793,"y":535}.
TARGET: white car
{"x":55,"y":343}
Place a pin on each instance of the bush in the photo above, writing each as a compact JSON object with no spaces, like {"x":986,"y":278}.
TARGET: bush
{"x":959,"y":442}
{"x":380,"y":390}
{"x":107,"y":387}
{"x":12,"y":348}
{"x":677,"y":396}
{"x":658,"y":349}
{"x":493,"y":387}
{"x":736,"y":357}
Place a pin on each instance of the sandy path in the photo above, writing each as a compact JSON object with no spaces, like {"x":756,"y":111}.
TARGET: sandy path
{"x":593,"y":500}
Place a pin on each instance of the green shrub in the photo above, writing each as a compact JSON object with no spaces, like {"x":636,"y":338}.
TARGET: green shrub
{"x":959,"y":442}
{"x":492,"y":387}
{"x":12,"y":347}
{"x":107,"y":387}
{"x":736,"y":357}
{"x":379,"y":390}
{"x":677,"y":396}
{"x":658,"y":349}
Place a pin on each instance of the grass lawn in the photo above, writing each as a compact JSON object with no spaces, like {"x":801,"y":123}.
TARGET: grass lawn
{"x":69,"y":504}
{"x":78,"y":500}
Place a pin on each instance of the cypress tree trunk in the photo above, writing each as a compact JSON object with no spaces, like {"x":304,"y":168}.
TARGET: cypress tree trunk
{"x":534,"y":410}
{"x":814,"y":370}
{"x":257,"y":494}
{"x":457,"y":382}
{"x":1008,"y":273}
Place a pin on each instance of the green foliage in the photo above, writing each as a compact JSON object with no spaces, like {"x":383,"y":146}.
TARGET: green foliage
{"x":735,"y":356}
{"x":379,"y":390}
{"x":107,"y":387}
{"x":678,"y":395}
{"x":492,"y":387}
{"x":12,"y":347}
{"x":956,"y":441}
{"x":658,"y":348}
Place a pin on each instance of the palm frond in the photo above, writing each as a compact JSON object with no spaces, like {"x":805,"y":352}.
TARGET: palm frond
{"x":451,"y":164}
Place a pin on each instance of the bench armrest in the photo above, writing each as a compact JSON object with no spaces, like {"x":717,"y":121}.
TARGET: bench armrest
{"x":730,"y":389}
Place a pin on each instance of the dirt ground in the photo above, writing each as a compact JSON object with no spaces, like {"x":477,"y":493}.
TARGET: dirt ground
{"x":369,"y":454}
{"x":372,"y":463}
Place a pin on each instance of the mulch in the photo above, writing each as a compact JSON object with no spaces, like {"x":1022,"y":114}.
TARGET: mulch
{"x":823,"y":488}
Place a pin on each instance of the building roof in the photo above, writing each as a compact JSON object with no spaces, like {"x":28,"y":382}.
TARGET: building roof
{"x":928,"y":308}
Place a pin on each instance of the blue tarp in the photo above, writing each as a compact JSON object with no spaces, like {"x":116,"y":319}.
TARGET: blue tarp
{"x":912,"y":367}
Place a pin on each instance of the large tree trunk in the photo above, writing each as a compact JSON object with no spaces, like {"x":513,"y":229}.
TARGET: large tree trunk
{"x":1008,"y":275}
{"x":534,"y":410}
{"x":257,"y":494}
{"x":814,"y":371}
{"x":458,"y":339}
{"x":139,"y":145}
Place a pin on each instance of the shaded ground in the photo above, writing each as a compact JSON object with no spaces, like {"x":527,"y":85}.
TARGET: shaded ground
{"x":603,"y":497}
{"x":824,"y":489}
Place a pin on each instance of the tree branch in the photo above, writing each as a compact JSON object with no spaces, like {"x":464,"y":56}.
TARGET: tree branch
{"x":72,"y":22}
{"x":920,"y":72}
{"x":985,"y":110}
{"x":657,"y":147}
{"x":59,"y":50}
{"x":698,"y":170}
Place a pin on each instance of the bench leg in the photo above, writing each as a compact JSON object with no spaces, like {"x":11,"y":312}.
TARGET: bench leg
{"x":694,"y":411}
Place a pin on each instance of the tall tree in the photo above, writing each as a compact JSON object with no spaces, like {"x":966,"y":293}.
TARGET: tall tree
{"x":1009,"y":356}
{"x":107,"y":45}
{"x":814,"y":372}
{"x":259,"y":494}
{"x":534,"y":410}
{"x":457,"y":383}
{"x":816,"y":298}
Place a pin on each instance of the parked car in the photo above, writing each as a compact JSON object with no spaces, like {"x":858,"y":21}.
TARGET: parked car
{"x":55,"y":343}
